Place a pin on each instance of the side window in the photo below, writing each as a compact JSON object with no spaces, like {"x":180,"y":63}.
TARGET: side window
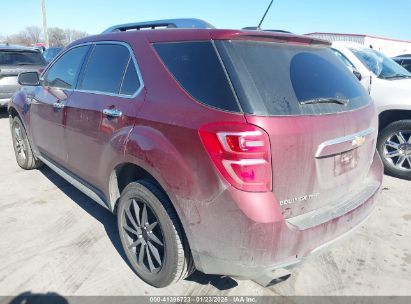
{"x":131,"y":82}
{"x":407,"y":64}
{"x":63,"y":74}
{"x":105,"y":68}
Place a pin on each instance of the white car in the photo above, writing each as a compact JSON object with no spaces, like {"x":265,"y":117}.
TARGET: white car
{"x":389,"y":85}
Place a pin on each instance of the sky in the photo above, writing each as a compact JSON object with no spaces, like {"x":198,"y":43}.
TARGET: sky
{"x":374,"y":17}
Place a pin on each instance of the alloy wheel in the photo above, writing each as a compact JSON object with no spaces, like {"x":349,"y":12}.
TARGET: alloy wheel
{"x":397,"y":150}
{"x":144,"y":237}
{"x":19,"y":143}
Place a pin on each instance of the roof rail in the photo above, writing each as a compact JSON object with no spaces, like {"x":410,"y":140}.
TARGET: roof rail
{"x":167,"y":23}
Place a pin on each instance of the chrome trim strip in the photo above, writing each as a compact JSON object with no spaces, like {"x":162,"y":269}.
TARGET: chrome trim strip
{"x":140,"y":77}
{"x":344,"y":139}
{"x":87,"y":191}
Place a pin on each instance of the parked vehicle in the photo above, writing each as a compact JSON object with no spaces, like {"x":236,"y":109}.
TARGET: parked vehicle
{"x":404,"y":61}
{"x":14,"y":60}
{"x":342,"y":51}
{"x":233,"y":152}
{"x":50,"y":53}
{"x":390,"y":87}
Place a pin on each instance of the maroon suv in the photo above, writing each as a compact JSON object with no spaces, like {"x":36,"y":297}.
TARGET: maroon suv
{"x":232,"y":152}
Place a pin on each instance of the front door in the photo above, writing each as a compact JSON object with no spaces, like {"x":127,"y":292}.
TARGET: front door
{"x":47,"y":112}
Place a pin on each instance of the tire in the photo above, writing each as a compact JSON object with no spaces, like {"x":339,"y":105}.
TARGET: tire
{"x":394,"y":147}
{"x":22,"y":149}
{"x":173,"y":261}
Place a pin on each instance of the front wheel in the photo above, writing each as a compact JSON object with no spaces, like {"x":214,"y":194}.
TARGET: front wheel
{"x":394,"y":147}
{"x":152,"y":236}
{"x":24,"y":155}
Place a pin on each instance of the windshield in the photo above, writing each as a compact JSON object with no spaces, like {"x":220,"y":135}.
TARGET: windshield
{"x":277,"y":79}
{"x":21,"y":58}
{"x":381,"y":65}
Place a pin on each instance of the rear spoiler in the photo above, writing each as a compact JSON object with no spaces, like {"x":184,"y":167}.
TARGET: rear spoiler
{"x":277,"y":37}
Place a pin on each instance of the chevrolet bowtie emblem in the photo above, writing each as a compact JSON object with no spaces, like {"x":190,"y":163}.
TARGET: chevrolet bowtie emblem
{"x":358,"y":141}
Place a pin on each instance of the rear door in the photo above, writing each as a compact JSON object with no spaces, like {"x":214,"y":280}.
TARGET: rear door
{"x":101,"y":112}
{"x":320,"y":120}
{"x":47,"y":106}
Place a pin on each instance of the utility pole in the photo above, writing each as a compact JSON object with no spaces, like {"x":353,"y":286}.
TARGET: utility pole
{"x":45,"y":30}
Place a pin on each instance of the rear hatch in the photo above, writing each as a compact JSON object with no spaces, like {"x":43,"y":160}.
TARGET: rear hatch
{"x":12,"y":63}
{"x":321,"y":122}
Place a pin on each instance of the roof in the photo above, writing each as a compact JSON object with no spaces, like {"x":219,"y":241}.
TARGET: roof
{"x":402,"y":57}
{"x":358,"y":35}
{"x":168,"y":35}
{"x":11,"y":47}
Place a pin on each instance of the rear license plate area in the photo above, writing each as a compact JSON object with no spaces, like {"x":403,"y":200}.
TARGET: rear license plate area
{"x":345,"y":162}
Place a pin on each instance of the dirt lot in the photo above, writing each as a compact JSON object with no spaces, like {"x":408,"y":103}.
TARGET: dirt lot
{"x":55,"y":239}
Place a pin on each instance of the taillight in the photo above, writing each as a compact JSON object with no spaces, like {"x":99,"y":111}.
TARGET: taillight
{"x":241,"y":152}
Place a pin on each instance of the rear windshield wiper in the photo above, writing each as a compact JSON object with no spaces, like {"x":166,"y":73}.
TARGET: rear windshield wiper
{"x":340,"y":101}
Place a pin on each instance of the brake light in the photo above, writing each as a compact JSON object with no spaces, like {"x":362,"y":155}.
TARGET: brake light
{"x":241,"y":153}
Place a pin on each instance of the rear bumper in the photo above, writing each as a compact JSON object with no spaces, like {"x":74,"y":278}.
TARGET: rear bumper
{"x":246,"y":235}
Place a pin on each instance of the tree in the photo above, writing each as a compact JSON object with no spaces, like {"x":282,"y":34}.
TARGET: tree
{"x":73,"y":35}
{"x":57,"y":37}
{"x":29,"y":36}
{"x":33,"y":34}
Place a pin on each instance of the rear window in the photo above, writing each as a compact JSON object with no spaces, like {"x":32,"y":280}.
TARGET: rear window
{"x":21,"y":58}
{"x":277,"y":79}
{"x":196,"y":66}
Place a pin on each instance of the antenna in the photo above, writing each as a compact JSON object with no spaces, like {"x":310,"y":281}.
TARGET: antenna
{"x":262,"y":19}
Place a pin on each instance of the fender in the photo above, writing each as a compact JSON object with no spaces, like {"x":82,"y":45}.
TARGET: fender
{"x":20,"y":103}
{"x":151,"y":150}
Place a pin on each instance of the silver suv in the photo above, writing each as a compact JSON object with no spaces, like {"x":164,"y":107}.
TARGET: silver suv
{"x":13,"y":61}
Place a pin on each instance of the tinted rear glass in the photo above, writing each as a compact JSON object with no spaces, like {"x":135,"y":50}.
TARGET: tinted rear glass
{"x":196,"y":66}
{"x":21,"y":58}
{"x":105,"y":68}
{"x":275,"y":79}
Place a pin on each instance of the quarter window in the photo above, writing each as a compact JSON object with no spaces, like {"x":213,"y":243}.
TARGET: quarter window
{"x":63,"y":74}
{"x":105,"y":68}
{"x":131,"y":83}
{"x":196,"y":66}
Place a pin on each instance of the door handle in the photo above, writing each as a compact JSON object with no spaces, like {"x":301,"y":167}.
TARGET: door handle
{"x":58,"y":105}
{"x":112,"y":113}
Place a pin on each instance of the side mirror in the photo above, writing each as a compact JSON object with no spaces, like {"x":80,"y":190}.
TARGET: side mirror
{"x":357,"y":74}
{"x":29,"y":79}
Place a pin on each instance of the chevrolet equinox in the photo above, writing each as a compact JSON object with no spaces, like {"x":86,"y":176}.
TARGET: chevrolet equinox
{"x":232,"y":152}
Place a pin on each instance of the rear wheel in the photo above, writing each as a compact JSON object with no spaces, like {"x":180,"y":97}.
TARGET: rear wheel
{"x":394,"y":147}
{"x":151,"y":235}
{"x":22,"y":149}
